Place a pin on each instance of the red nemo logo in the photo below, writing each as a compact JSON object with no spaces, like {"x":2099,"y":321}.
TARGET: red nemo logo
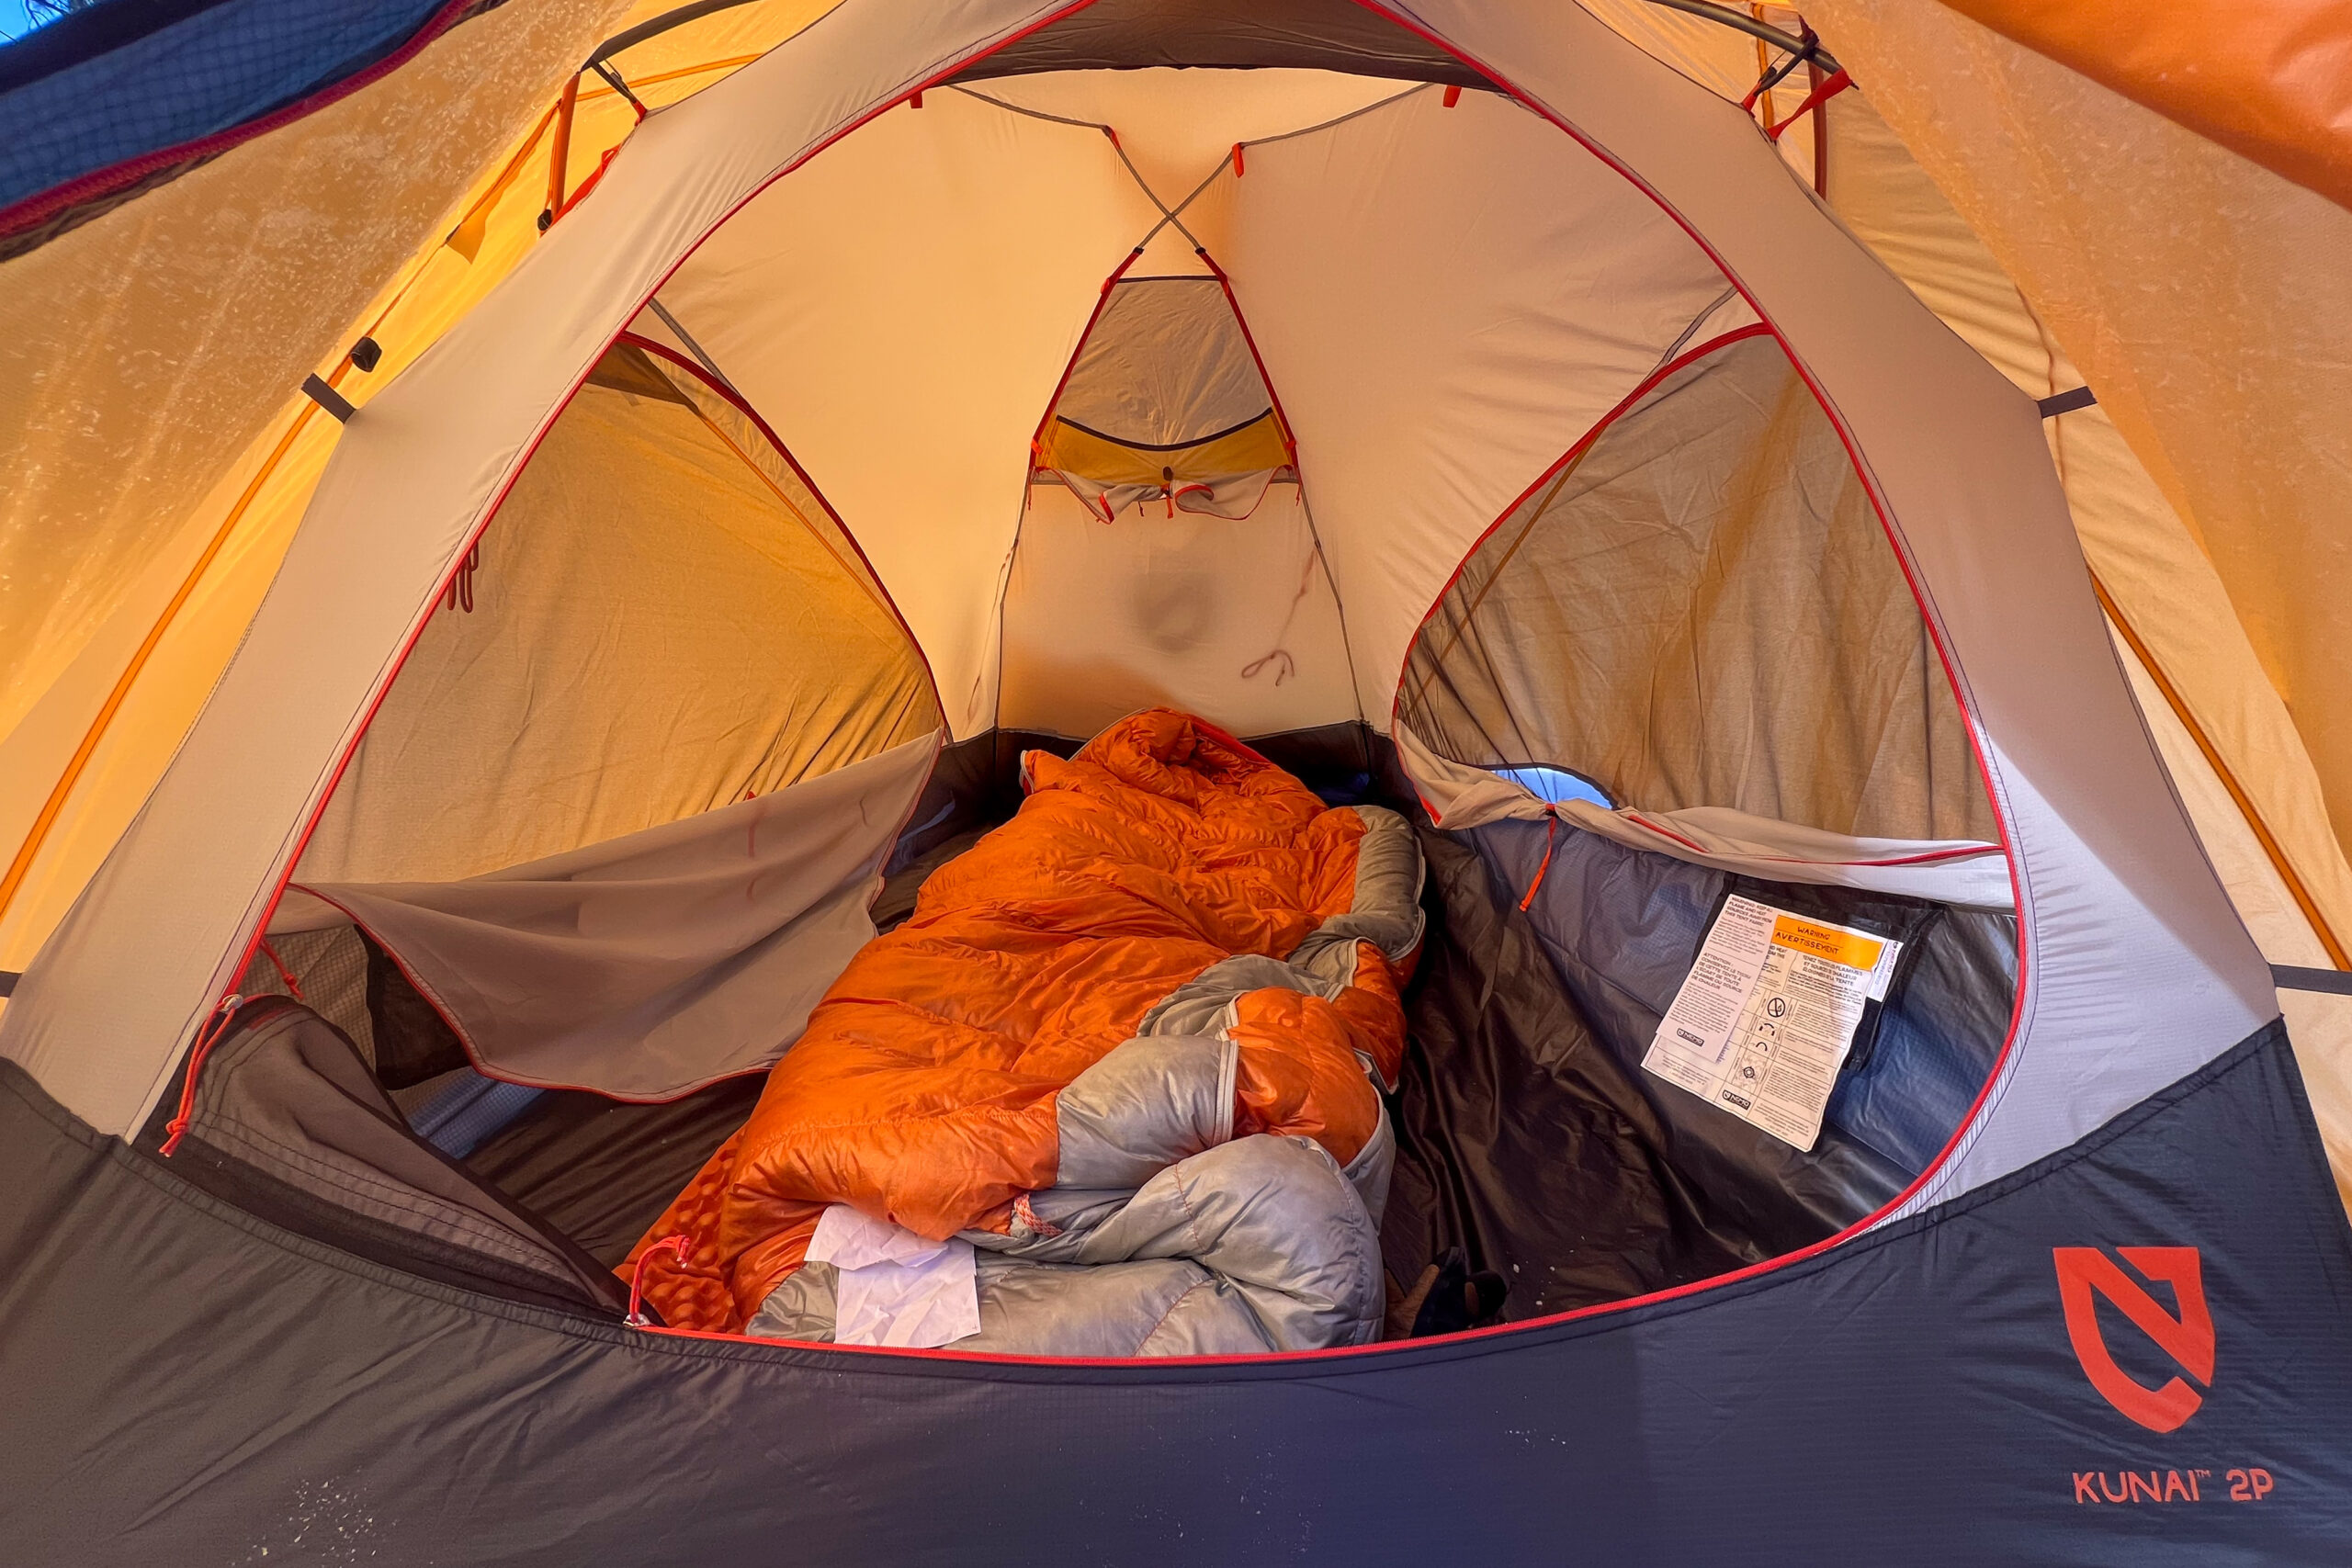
{"x":2185,"y":1335}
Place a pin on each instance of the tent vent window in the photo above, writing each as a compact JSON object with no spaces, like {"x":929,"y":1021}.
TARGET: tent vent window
{"x":1165,"y":408}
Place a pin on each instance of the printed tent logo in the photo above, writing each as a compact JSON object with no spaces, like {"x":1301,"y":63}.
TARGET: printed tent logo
{"x":2186,"y":1335}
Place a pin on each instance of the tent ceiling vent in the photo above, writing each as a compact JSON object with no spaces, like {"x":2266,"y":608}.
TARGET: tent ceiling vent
{"x":1164,"y":402}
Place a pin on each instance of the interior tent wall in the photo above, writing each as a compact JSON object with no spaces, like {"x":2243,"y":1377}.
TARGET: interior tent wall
{"x":2320,"y":1023}
{"x":1696,"y":606}
{"x":1418,"y":417}
{"x":904,"y":306}
{"x":657,"y":623}
{"x":1232,"y":618}
{"x":2161,"y":584}
{"x":183,"y":321}
{"x":356,"y":590}
{"x":2228,"y":381}
{"x":2069,"y":760}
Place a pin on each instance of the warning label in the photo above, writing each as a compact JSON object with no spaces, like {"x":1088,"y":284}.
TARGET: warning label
{"x":1765,"y":1019}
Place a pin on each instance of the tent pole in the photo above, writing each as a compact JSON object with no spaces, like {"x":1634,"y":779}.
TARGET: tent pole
{"x":1761,"y":30}
{"x":2238,"y":796}
{"x":561,"y":154}
{"x":55,"y":804}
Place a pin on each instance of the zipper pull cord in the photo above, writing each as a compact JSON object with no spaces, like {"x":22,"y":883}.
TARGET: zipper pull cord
{"x":677,"y":1243}
{"x":214,"y":1028}
{"x":1551,"y":830}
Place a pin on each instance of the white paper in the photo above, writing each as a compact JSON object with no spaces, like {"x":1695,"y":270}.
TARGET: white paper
{"x":1765,"y":1017}
{"x":896,"y":1288}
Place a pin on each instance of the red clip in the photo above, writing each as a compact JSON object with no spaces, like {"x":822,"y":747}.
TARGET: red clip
{"x":1453,"y":93}
{"x":1237,"y":170}
{"x":677,"y":1243}
{"x":916,"y":101}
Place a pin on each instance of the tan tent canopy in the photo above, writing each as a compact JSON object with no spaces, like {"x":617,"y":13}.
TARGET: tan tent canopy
{"x":142,"y":535}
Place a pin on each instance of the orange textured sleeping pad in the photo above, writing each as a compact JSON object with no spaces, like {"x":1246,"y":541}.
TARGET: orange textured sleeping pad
{"x":923,"y":1088}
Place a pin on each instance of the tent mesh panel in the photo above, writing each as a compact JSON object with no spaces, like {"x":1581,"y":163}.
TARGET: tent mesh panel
{"x":1699,"y":607}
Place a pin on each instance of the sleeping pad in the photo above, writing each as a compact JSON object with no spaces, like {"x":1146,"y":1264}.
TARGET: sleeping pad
{"x":1119,"y":1061}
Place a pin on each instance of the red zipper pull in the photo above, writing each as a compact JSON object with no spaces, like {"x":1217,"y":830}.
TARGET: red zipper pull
{"x":1551,"y":830}
{"x":679,"y":1245}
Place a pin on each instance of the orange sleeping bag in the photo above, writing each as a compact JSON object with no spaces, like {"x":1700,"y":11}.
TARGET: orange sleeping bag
{"x":923,"y":1090}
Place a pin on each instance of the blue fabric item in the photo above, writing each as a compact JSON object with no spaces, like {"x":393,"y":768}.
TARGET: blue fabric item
{"x":1937,"y":1044}
{"x":463,"y":1116}
{"x":1557,"y":785}
{"x":202,"y":74}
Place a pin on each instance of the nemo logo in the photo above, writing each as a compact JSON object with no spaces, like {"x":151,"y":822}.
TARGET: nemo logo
{"x":2185,"y":1334}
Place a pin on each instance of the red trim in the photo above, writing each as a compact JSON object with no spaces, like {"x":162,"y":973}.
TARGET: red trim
{"x":1664,"y":832}
{"x":595,"y":176}
{"x":293,"y":986}
{"x":33,"y":211}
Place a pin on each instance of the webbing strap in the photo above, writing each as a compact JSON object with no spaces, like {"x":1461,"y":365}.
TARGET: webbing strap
{"x":2293,"y":977}
{"x":327,"y":397}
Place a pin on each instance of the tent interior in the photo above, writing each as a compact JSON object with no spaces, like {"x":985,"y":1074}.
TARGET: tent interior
{"x":1342,"y":403}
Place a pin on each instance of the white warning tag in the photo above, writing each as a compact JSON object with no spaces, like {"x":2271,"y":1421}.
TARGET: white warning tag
{"x":1768,"y":1013}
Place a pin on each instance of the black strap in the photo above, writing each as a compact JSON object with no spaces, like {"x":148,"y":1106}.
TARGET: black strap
{"x":2289,"y":977}
{"x":2064,"y":402}
{"x":327,"y":397}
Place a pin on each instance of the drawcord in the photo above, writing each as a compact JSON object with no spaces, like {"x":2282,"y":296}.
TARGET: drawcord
{"x":677,"y":1243}
{"x":214,"y":1028}
{"x":293,"y":986}
{"x":1550,"y":831}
